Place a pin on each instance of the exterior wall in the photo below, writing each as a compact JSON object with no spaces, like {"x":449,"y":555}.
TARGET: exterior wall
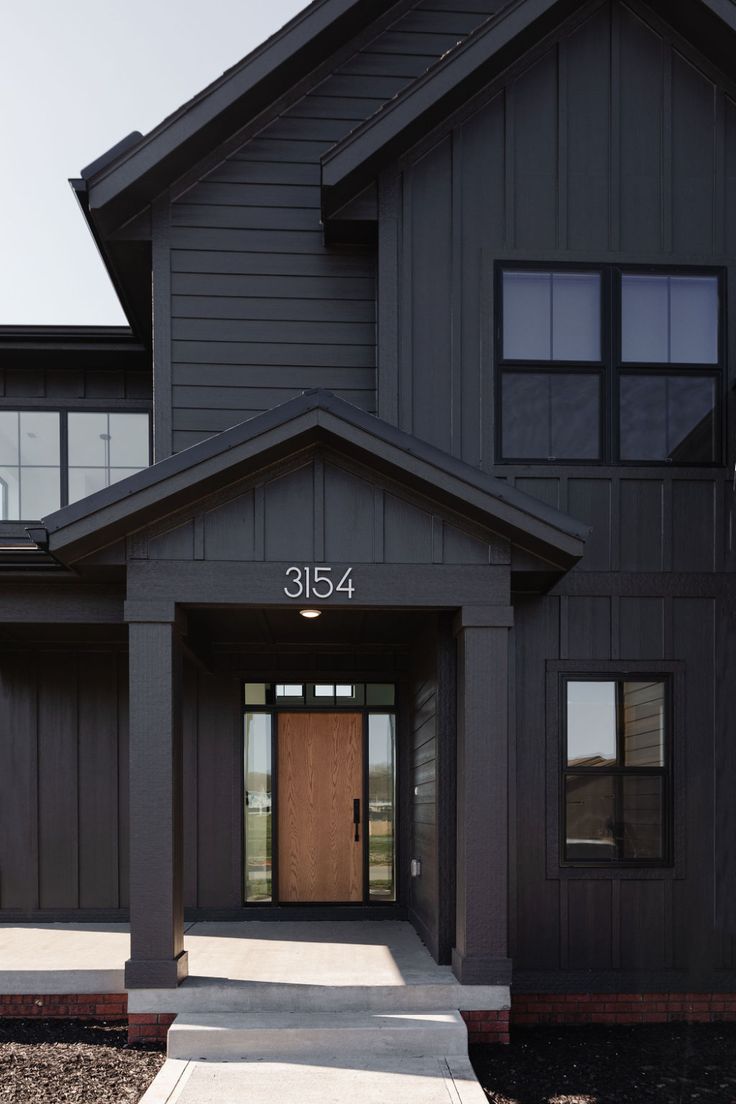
{"x":611,"y":144}
{"x":63,"y":777}
{"x":69,"y":386}
{"x":261,"y":308}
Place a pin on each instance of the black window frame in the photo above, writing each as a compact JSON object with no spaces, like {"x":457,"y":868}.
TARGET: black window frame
{"x":611,"y":365}
{"x":64,"y":412}
{"x":619,"y":770}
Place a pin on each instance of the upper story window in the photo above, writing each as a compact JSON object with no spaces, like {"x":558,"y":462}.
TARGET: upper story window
{"x":49,"y":458}
{"x":609,"y":365}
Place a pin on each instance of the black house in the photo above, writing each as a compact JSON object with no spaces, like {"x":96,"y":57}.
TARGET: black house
{"x":384,"y":567}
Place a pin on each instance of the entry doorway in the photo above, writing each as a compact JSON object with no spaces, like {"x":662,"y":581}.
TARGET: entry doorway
{"x":319,"y":798}
{"x":319,"y":794}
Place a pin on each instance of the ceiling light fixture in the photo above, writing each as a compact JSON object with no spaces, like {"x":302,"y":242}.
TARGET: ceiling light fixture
{"x":310,"y":614}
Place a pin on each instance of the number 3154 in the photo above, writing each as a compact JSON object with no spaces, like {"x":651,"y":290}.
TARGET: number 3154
{"x":316,"y":582}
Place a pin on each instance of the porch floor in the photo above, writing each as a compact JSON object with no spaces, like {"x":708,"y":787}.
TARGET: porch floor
{"x":245,"y":966}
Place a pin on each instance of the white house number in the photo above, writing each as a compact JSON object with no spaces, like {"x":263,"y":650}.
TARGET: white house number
{"x":317,"y":582}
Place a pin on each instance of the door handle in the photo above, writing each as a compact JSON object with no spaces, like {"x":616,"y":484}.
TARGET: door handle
{"x":356,"y":818}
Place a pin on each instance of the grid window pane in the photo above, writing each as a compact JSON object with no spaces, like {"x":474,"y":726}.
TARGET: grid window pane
{"x":40,"y":492}
{"x":551,"y":415}
{"x":88,"y":440}
{"x":668,"y":418}
{"x":10,"y":494}
{"x":129,"y":440}
{"x":591,"y":724}
{"x":643,"y":724}
{"x":9,"y":426}
{"x":527,"y":315}
{"x":105,"y":448}
{"x":590,"y":804}
{"x":641,"y":817}
{"x":39,"y":438}
{"x":669,"y":319}
{"x":552,"y":316}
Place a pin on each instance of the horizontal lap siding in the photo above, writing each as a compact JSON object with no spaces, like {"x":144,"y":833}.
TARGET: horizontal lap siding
{"x":261,"y":308}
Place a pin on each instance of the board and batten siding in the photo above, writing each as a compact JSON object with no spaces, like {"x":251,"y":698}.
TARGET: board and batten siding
{"x":261,"y":308}
{"x":63,"y":781}
{"x":613,"y":142}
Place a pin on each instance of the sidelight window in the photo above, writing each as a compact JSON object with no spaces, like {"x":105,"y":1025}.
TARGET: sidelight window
{"x":616,"y":771}
{"x":609,"y":364}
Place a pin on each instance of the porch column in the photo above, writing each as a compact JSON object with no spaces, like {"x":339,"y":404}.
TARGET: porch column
{"x":157,"y":956}
{"x":480,"y":955}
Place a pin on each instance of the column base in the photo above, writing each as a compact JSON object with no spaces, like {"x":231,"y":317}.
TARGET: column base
{"x":480,"y":969}
{"x":141,"y":973}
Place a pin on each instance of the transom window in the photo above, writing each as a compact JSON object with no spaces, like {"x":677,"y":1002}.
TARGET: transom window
{"x":609,"y":365}
{"x":616,"y":771}
{"x":49,"y":458}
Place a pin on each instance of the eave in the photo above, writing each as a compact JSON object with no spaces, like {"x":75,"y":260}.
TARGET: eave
{"x":315,"y":418}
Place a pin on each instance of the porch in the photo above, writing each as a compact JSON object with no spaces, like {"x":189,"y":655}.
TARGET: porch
{"x":247,"y":966}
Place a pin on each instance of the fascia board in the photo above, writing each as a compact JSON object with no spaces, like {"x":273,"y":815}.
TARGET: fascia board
{"x":407,"y":109}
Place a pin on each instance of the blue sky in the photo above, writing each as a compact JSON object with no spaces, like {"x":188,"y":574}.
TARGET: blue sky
{"x":75,"y":78}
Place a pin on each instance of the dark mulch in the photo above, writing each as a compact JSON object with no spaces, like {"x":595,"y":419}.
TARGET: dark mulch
{"x":666,"y":1064}
{"x":60,"y":1061}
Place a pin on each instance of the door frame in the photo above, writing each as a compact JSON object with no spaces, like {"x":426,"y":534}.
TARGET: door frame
{"x":273,"y":710}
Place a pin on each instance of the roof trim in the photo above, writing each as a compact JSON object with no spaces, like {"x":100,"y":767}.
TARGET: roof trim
{"x":352,"y":162}
{"x":121,"y":181}
{"x":312,"y":418}
{"x":347,"y":165}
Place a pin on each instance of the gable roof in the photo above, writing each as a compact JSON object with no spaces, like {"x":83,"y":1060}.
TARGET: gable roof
{"x":350,"y":164}
{"x":126,"y":178}
{"x":316,"y":417}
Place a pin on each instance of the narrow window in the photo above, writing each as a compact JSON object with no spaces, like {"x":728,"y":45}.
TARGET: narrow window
{"x":382,"y":806}
{"x":258,"y":808}
{"x":551,"y":381}
{"x":615,"y":771}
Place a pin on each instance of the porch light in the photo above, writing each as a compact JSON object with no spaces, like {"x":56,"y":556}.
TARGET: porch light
{"x":310,"y":614}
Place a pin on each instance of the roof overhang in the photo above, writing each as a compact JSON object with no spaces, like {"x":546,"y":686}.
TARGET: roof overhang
{"x":125,"y":180}
{"x":349,"y":167}
{"x":315,"y":418}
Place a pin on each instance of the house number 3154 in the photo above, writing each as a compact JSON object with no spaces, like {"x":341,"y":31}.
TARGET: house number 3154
{"x":317,"y":582}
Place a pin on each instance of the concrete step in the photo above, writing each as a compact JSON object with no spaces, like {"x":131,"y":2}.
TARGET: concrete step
{"x":197,"y":995}
{"x":315,"y":1036}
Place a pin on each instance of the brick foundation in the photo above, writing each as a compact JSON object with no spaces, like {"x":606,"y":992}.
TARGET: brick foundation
{"x":487,"y":1027}
{"x":621,"y":1008}
{"x":149,"y":1027}
{"x":68,"y":1006}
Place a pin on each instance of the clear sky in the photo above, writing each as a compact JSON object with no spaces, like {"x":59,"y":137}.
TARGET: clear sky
{"x":75,"y":78}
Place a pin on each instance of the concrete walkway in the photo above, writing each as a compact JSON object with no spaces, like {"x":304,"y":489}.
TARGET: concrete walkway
{"x":429,"y":1080}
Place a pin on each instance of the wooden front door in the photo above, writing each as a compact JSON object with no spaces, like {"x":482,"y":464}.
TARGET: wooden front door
{"x":320,"y":777}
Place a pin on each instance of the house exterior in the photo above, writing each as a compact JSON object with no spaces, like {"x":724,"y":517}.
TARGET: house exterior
{"x":429,"y":338}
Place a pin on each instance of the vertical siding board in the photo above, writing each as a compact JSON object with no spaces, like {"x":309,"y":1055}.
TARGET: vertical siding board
{"x":58,"y":795}
{"x":641,"y":628}
{"x":536,"y":937}
{"x":536,"y":156}
{"x":98,"y":781}
{"x":642,"y":922}
{"x":589,"y":500}
{"x":641,"y":123}
{"x":190,"y":732}
{"x":587,"y":156}
{"x":589,"y":628}
{"x":693,"y":158}
{"x":424,"y":892}
{"x":641,"y":506}
{"x":18,"y":762}
{"x":694,"y":538}
{"x":219,"y":831}
{"x":694,"y":640}
{"x":123,"y":788}
{"x":431,"y":296}
{"x":589,"y":925}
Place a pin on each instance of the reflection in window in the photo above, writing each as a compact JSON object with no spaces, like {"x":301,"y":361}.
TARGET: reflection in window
{"x":30,"y":464}
{"x":105,"y":448}
{"x":552,"y":415}
{"x":258,"y":808}
{"x":382,"y":806}
{"x":669,"y":319}
{"x":668,"y":418}
{"x":615,"y":771}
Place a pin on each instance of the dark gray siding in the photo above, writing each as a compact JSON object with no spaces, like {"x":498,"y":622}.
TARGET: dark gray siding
{"x":425,"y":827}
{"x":63,"y":781}
{"x":613,"y":143}
{"x":261,"y":309}
{"x":64,"y":386}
